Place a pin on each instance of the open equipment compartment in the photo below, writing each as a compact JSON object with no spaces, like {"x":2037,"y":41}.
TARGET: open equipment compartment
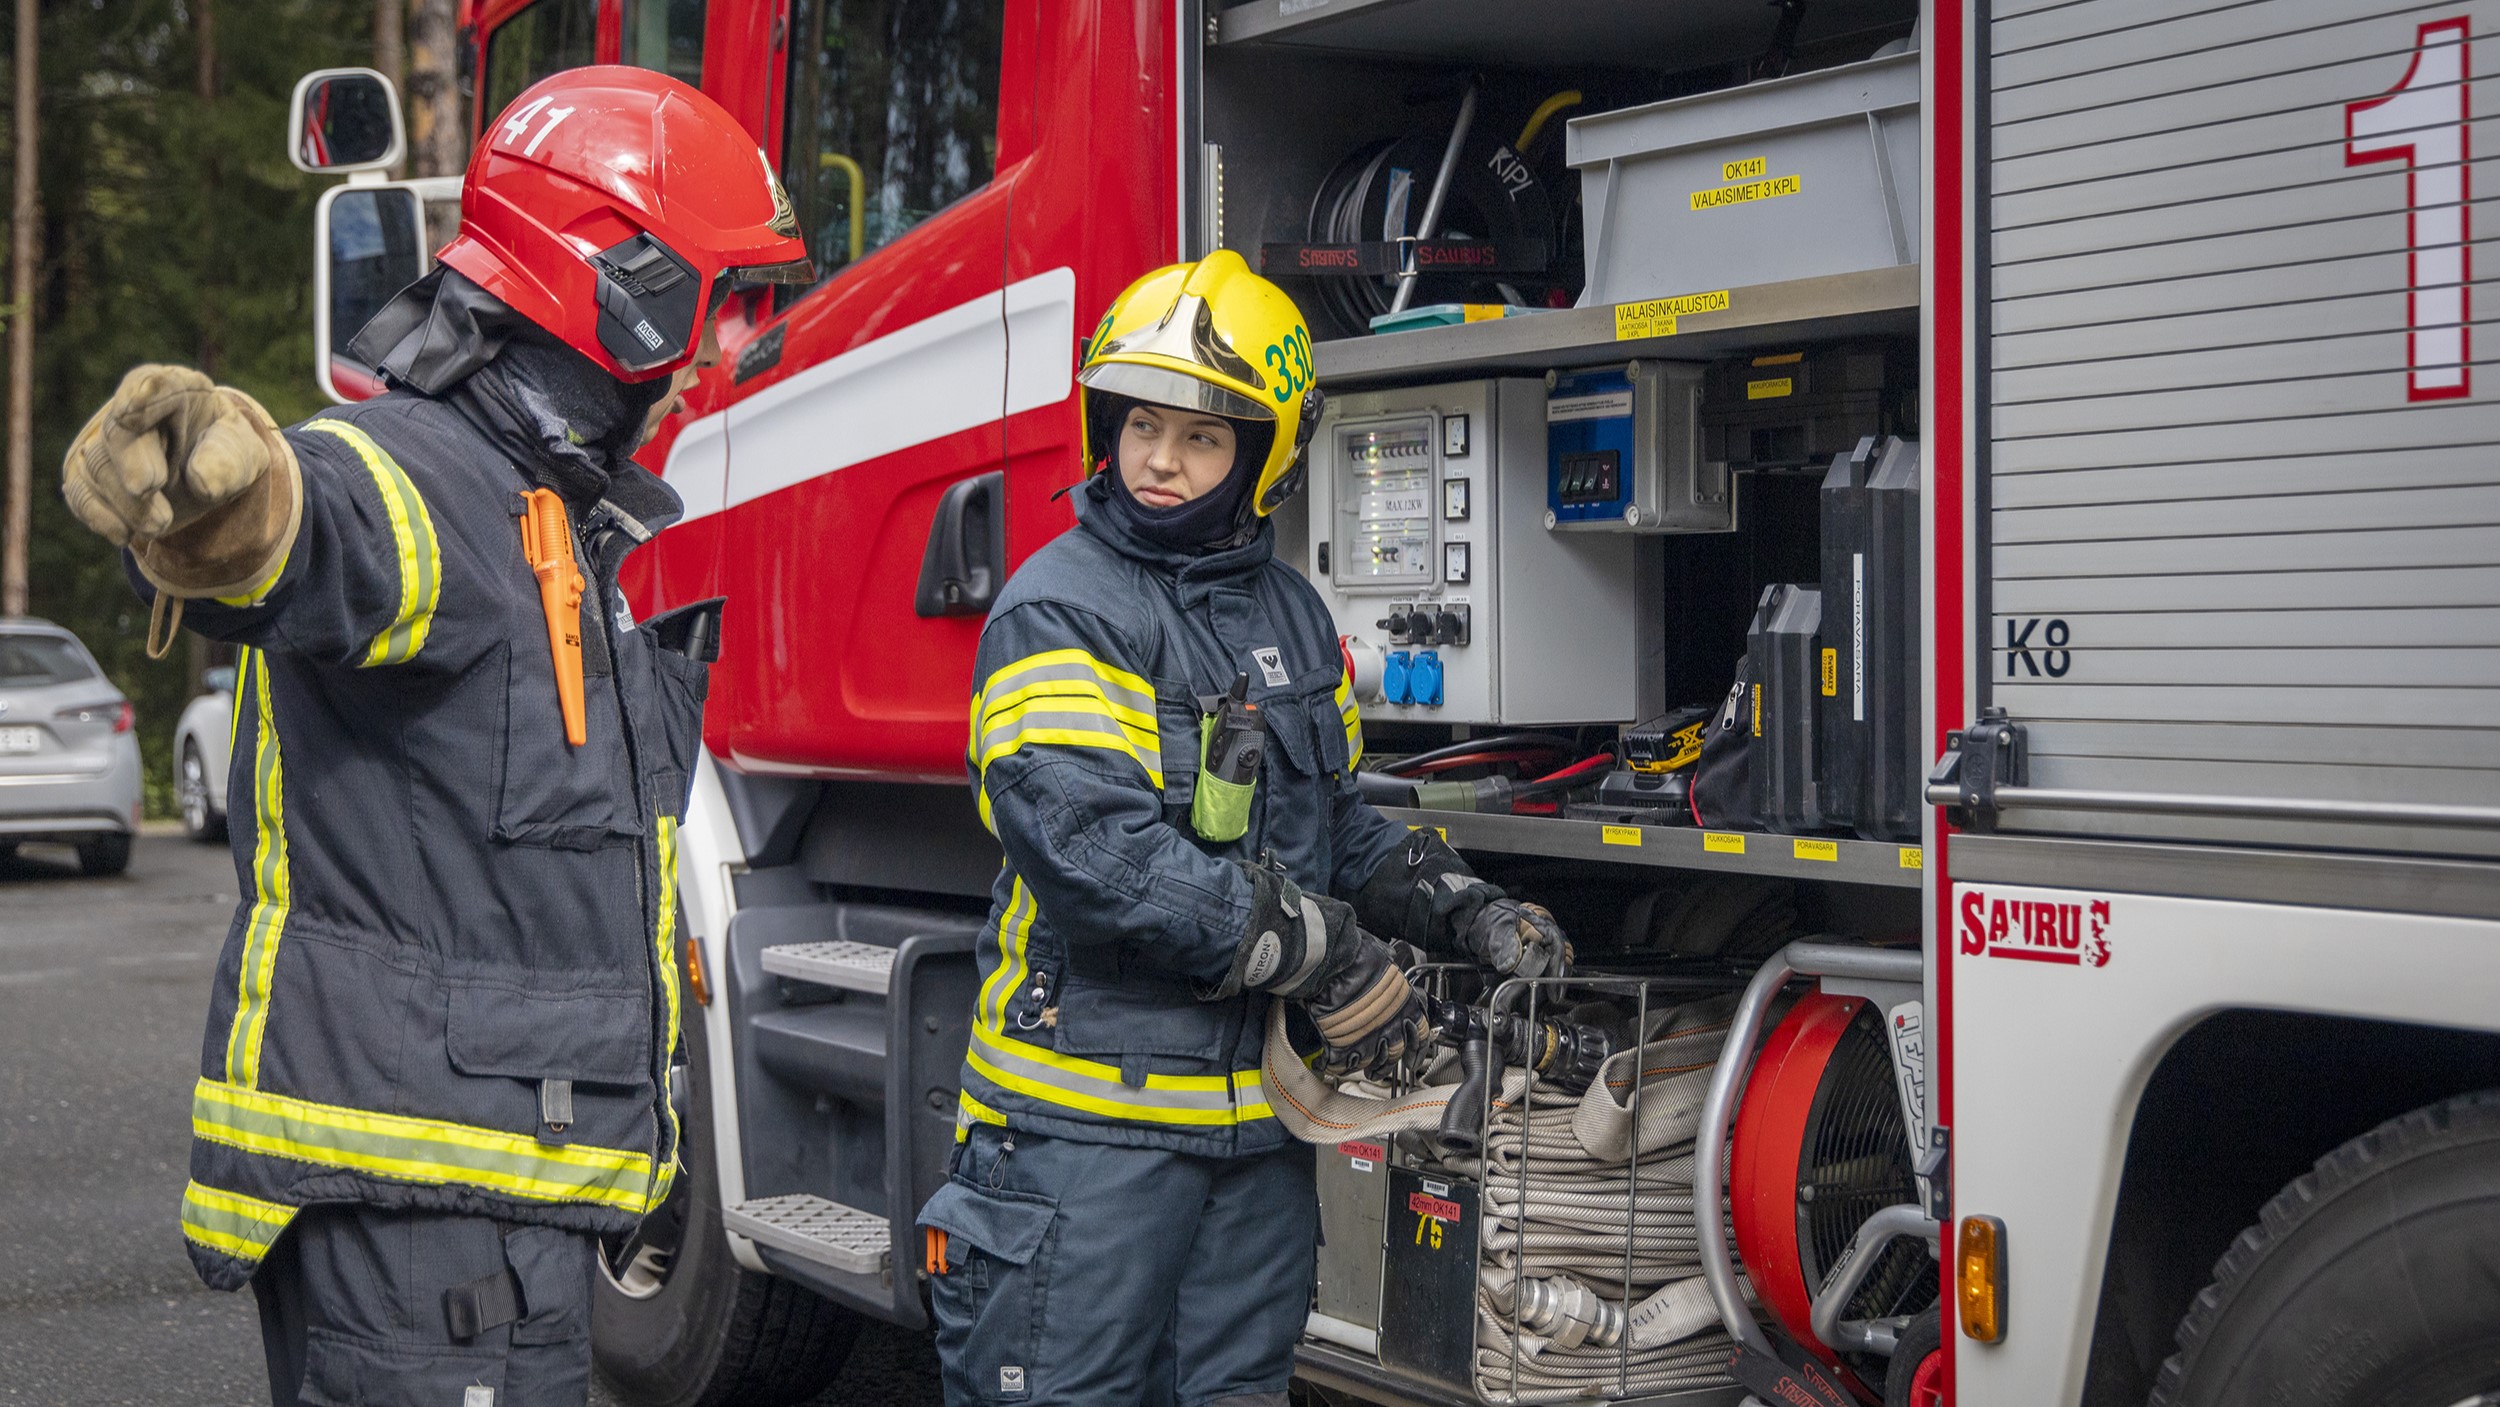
{"x":1530,"y":601}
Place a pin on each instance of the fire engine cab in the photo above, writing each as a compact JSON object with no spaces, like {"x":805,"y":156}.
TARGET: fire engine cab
{"x":1955,"y":544}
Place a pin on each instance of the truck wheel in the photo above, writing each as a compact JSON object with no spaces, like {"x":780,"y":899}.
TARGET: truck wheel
{"x":675,"y":1322}
{"x":2373,"y":1281}
{"x":104,"y":854}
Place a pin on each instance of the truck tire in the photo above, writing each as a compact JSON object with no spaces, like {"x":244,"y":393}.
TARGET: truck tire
{"x":2372,"y":1281}
{"x":676,"y":1322}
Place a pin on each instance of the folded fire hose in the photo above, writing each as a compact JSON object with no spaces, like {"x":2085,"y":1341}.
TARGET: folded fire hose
{"x":1577,"y":1193}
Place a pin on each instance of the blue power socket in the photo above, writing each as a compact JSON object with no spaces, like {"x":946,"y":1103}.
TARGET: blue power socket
{"x":1423,"y":682}
{"x":1395,"y":677}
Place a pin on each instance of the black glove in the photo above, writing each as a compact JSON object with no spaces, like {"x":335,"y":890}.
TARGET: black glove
{"x":1307,"y":948}
{"x":1516,"y":940}
{"x":1426,"y":895}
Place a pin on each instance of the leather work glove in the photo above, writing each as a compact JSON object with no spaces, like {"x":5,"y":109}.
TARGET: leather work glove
{"x":1516,"y":940}
{"x":192,"y":476}
{"x":1307,"y":948}
{"x":1426,"y":895}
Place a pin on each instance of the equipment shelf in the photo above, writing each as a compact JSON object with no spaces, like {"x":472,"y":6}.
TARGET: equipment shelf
{"x":1866,"y":303}
{"x":1676,"y":847}
{"x":1508,"y":33}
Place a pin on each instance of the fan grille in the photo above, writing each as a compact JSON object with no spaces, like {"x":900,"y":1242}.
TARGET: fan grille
{"x":1855,"y":1163}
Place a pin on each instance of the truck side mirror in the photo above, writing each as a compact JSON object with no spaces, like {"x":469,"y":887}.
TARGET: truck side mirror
{"x":344,"y":119}
{"x":369,"y":244}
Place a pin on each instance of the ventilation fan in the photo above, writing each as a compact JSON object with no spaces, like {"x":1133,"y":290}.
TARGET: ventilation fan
{"x":1820,"y":1145}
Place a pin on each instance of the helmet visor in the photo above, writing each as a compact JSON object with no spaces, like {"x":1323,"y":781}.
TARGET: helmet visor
{"x":1162,"y":386}
{"x":799,"y":271}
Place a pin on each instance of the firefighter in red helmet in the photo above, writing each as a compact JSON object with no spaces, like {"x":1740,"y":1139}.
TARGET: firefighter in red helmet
{"x":436,"y":1066}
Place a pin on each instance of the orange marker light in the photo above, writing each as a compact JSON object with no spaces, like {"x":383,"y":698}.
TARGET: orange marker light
{"x":547,"y":541}
{"x":1979,"y":1278}
{"x":694,"y":974}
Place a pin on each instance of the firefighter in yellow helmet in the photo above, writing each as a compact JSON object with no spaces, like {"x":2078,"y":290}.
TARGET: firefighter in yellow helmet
{"x":1164,"y":742}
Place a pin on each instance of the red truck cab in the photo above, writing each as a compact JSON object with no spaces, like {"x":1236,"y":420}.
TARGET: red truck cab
{"x":876,"y":452}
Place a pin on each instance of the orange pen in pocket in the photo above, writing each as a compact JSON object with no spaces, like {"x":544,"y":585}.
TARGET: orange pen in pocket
{"x":547,"y":541}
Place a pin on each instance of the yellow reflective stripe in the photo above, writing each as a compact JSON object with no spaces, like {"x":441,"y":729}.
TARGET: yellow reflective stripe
{"x":1353,"y":718}
{"x":1069,"y":713}
{"x":1015,"y":925}
{"x":667,"y":929}
{"x":240,"y":1226}
{"x":1199,"y":1101}
{"x":1068,"y":664}
{"x":272,"y":888}
{"x":429,"y":1151}
{"x":258,"y":591}
{"x":412,"y":530}
{"x":970,"y":1111}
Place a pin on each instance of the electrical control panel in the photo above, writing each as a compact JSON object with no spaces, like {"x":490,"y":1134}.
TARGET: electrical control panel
{"x":1624,"y":452}
{"x":1427,"y":533}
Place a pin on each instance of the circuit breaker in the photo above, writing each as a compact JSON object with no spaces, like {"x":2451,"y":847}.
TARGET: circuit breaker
{"x":1624,"y":452}
{"x":1427,"y":538}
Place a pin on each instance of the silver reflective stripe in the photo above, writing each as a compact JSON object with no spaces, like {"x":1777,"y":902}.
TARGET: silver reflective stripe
{"x":1314,"y":946}
{"x":1003,"y":1055}
{"x":1015,"y":677}
{"x":1032,"y":721}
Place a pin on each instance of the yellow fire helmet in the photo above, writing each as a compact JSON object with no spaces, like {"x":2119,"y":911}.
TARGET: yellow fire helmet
{"x":1210,"y":336}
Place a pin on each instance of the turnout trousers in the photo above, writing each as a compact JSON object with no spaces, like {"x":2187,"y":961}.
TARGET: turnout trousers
{"x":1093,"y":1273}
{"x":362,"y":1307}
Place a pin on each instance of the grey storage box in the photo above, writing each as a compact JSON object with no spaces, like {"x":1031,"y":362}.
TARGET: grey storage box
{"x":1784,"y":179}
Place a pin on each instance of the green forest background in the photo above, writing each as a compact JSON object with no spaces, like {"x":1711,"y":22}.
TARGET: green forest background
{"x":173,"y":229}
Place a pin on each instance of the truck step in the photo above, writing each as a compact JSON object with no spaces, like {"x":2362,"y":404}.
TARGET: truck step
{"x":854,"y":967}
{"x":814,"y":1229}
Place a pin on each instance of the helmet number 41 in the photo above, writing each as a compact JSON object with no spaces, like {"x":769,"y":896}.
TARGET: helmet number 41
{"x":518,"y":124}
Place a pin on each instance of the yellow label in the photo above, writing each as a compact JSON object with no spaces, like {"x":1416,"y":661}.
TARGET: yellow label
{"x":1622,"y":835}
{"x":1780,"y":359}
{"x":1913,"y":858}
{"x":1757,"y":710}
{"x":1770,"y":388}
{"x":1771,"y":189}
{"x":1831,"y":674}
{"x":1483,"y":312}
{"x":1744,"y":170}
{"x":1815,"y":849}
{"x":1656,"y":317}
{"x":1722,"y":843}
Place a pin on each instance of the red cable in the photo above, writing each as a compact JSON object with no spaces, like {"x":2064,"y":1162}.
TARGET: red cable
{"x":1473,"y":759}
{"x":1692,"y":796}
{"x":1576,"y":768}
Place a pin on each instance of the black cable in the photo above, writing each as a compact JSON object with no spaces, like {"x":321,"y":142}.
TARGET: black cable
{"x":1502,"y":741}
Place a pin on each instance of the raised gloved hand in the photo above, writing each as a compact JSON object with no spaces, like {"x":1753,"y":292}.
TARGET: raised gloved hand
{"x":1516,"y":940}
{"x":1308,"y":948}
{"x":192,"y":476}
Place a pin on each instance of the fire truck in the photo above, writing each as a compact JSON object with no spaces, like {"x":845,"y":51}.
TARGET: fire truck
{"x":1955,"y":544}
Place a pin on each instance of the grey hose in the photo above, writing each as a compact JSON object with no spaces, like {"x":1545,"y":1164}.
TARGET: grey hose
{"x":1565,"y":1208}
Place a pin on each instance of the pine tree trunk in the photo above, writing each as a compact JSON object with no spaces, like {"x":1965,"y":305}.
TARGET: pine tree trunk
{"x":390,"y":41}
{"x":437,"y":129}
{"x":24,"y":216}
{"x":204,"y":84}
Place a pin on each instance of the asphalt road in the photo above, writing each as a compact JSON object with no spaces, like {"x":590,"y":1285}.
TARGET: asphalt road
{"x":102,"y":986}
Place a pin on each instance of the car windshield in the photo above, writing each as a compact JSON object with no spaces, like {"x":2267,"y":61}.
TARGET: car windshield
{"x":30,"y":661}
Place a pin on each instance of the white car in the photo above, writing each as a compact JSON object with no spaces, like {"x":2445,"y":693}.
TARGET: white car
{"x":69,"y":763}
{"x":202,"y":741}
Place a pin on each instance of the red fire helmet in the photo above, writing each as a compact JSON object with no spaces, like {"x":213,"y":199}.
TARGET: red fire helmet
{"x":608,"y":203}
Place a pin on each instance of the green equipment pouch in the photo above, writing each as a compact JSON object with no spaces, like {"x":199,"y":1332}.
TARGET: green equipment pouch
{"x":1220,"y":811}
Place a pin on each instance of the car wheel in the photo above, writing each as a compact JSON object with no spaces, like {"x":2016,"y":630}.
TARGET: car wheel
{"x":676,"y":1322}
{"x":105,"y":854}
{"x":2373,"y":1281}
{"x":200,"y":820}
